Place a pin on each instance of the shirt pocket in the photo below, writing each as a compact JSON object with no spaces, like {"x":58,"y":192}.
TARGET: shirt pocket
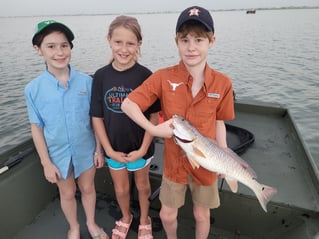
{"x":175,"y":102}
{"x":81,"y":108}
{"x":206,"y":112}
{"x":51,"y":113}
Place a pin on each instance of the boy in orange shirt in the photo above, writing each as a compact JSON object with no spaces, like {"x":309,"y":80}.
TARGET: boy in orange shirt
{"x":201,"y":95}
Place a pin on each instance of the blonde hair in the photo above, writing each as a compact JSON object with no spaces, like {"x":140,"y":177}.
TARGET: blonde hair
{"x":129,"y":23}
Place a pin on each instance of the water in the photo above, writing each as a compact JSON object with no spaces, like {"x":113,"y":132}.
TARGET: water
{"x":272,"y":56}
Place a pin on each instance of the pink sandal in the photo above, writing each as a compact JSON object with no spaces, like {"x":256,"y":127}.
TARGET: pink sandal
{"x":148,"y":228}
{"x":116,"y":232}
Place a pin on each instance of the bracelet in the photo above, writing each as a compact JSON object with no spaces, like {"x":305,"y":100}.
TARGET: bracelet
{"x":98,"y":153}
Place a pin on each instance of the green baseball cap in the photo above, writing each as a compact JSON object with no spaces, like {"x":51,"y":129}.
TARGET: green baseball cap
{"x":52,"y":24}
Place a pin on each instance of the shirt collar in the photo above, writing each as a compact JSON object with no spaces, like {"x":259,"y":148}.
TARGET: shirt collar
{"x":187,"y":77}
{"x":54,"y":80}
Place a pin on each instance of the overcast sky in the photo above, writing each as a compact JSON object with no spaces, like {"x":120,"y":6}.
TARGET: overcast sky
{"x":68,"y":7}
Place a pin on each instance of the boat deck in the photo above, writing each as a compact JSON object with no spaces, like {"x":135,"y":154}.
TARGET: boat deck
{"x":279,"y":157}
{"x":30,"y":207}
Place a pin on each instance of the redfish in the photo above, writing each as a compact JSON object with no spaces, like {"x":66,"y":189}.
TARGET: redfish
{"x":203,"y":151}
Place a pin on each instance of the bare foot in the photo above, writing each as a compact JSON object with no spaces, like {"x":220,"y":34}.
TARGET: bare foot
{"x":97,"y":232}
{"x":74,"y":233}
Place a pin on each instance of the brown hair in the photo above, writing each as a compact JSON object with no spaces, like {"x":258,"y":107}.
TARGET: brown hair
{"x":194,"y":28}
{"x":127,"y":22}
{"x":38,"y":39}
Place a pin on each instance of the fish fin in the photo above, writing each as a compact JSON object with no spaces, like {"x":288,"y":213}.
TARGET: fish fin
{"x":198,"y":152}
{"x":264,"y":195}
{"x":242,"y":162}
{"x":193,"y":162}
{"x":232,"y":183}
{"x":214,"y":141}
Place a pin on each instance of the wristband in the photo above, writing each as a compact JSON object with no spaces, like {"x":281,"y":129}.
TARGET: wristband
{"x":98,"y":153}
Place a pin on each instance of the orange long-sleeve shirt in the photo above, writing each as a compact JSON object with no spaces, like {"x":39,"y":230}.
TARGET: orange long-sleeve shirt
{"x":173,"y":86}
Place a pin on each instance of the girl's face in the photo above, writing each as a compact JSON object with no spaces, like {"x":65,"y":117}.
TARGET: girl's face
{"x":193,"y":50}
{"x":56,"y":51}
{"x":124,"y":46}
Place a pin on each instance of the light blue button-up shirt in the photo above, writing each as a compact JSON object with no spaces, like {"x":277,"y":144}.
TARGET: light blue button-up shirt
{"x":63,"y":113}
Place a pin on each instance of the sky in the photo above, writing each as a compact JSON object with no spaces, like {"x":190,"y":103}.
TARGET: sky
{"x":70,"y":7}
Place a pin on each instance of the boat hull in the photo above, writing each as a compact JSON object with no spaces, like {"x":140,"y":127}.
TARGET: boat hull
{"x":30,"y":208}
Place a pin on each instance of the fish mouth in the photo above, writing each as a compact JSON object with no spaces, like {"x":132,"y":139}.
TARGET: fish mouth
{"x":182,"y":140}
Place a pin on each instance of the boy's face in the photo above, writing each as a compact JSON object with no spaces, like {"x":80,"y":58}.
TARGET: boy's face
{"x":193,"y":49}
{"x":56,"y":51}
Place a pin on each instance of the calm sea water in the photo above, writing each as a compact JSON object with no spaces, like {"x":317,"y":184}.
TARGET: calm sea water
{"x":272,"y":56}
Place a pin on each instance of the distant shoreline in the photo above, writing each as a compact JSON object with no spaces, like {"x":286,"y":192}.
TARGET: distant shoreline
{"x":169,"y":12}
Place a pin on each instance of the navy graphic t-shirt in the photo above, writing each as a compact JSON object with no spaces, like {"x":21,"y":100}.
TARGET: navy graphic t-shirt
{"x":110,"y":88}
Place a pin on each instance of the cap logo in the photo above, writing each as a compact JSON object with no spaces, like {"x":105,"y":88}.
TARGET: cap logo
{"x":194,"y":12}
{"x":48,"y":22}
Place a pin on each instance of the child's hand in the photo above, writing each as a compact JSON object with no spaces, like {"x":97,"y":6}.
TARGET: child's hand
{"x":52,"y":173}
{"x":99,"y":160}
{"x":134,"y":155}
{"x":118,"y":156}
{"x":164,"y":130}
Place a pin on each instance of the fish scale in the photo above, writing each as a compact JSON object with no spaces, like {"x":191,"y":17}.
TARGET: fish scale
{"x":220,"y":160}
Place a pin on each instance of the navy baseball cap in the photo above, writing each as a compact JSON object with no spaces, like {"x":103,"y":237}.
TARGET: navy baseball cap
{"x":197,"y":14}
{"x":51,"y":23}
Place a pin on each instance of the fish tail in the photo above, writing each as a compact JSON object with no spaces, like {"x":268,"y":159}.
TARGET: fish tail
{"x":264,"y":195}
